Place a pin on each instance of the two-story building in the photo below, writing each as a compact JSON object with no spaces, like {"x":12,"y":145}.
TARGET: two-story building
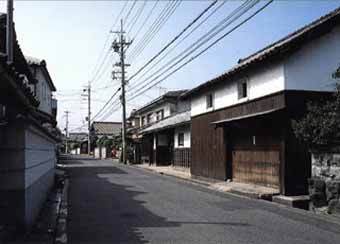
{"x":27,"y":141}
{"x":241,"y":120}
{"x":163,"y":129}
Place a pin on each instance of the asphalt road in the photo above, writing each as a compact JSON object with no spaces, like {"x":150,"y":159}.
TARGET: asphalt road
{"x":112,"y":203}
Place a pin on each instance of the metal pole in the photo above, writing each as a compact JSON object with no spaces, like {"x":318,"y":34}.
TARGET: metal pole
{"x":9,"y":32}
{"x":89,"y":119}
{"x":123,"y":93}
{"x":66,"y":149}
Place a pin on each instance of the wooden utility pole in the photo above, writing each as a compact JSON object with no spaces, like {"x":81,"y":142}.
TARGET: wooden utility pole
{"x":119,"y":47}
{"x":89,"y":119}
{"x":9,"y":32}
{"x":66,"y":130}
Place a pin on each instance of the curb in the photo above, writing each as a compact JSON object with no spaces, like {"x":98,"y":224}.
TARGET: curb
{"x":61,"y":226}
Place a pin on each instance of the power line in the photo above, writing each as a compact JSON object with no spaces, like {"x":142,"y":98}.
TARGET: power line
{"x":146,"y":19}
{"x":174,"y":39}
{"x":129,"y":12}
{"x":156,"y":30}
{"x":136,"y":17}
{"x":95,"y":70}
{"x":202,"y":40}
{"x":182,"y":39}
{"x":152,"y":29}
{"x":207,"y":48}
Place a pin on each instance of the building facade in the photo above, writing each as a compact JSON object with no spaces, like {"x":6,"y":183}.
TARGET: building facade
{"x":161,"y":131}
{"x":28,"y":140}
{"x":241,"y":121}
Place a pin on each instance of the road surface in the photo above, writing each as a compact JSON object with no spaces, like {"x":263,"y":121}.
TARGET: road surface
{"x":113,"y":203}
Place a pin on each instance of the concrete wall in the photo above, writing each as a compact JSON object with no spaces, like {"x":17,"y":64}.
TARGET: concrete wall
{"x":187,"y":136}
{"x":266,"y":80}
{"x":311,"y":67}
{"x":27,"y":166}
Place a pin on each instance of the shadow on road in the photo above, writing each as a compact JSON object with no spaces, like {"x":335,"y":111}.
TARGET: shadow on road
{"x":104,"y":212}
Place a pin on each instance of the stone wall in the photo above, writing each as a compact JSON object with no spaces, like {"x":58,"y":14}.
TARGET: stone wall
{"x":324,"y":186}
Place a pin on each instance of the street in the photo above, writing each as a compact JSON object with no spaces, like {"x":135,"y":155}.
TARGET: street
{"x":114,"y":203}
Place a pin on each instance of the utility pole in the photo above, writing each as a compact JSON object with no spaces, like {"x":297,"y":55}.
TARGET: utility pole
{"x":87,"y":96}
{"x":119,"y":47}
{"x":66,"y":130}
{"x":89,"y":118}
{"x":9,"y":32}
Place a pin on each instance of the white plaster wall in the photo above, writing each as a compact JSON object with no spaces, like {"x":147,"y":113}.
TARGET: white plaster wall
{"x":311,"y":67}
{"x":166,"y":108}
{"x":40,"y":156}
{"x":44,"y":93}
{"x":187,"y":136}
{"x":265,"y":81}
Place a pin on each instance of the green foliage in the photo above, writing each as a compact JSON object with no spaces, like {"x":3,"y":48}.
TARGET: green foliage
{"x":321,"y":125}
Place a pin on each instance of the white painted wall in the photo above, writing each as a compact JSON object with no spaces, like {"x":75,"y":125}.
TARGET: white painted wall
{"x":187,"y":136}
{"x":44,"y":93}
{"x":264,"y":81}
{"x":167,"y":108}
{"x":40,"y":155}
{"x":311,"y":67}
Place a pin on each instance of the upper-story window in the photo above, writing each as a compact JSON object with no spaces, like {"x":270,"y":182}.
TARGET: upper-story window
{"x":210,"y":100}
{"x":149,"y":118}
{"x":160,"y":114}
{"x":143,"y":120}
{"x":180,"y":139}
{"x":242,"y":89}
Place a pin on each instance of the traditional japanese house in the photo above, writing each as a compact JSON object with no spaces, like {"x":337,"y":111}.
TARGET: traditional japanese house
{"x":241,"y":120}
{"x":164,"y":130}
{"x":28,"y":139}
{"x":104,"y":130}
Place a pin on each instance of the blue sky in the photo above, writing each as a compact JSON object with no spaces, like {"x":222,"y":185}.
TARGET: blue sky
{"x":70,"y":36}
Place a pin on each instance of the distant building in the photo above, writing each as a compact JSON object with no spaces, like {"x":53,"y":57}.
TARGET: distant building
{"x":104,"y":130}
{"x":161,"y":131}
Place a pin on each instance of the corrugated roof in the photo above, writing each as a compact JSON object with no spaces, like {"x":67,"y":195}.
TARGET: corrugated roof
{"x":283,"y":46}
{"x":107,"y":128}
{"x":169,"y":122}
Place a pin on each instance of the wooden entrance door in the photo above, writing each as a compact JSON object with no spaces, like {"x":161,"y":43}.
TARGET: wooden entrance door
{"x":257,"y":166}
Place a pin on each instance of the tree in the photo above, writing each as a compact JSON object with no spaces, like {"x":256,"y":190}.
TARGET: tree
{"x":321,"y":125}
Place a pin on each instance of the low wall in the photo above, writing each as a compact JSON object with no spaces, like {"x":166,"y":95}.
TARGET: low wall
{"x":324,"y":186}
{"x":27,"y":162}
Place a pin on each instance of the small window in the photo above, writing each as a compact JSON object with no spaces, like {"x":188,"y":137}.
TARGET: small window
{"x":242,"y":89}
{"x":149,"y":118}
{"x":210,"y":101}
{"x":180,"y":139}
{"x":143,"y":121}
{"x":160,"y":114}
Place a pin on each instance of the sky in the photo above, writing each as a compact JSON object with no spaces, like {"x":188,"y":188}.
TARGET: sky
{"x":74,"y":38}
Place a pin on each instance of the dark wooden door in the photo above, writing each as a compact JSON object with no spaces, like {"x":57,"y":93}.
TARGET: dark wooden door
{"x":256,"y":165}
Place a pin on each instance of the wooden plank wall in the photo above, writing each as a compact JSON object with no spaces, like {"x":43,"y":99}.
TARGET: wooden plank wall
{"x":209,"y":144}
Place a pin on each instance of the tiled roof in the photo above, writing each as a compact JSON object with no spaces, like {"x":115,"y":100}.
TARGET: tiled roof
{"x":169,"y":122}
{"x":31,"y":61}
{"x":284,"y":46}
{"x":77,"y":136}
{"x":107,"y":128}
{"x":168,"y":95}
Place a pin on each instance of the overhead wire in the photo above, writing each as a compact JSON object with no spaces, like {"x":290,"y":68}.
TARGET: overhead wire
{"x":205,"y":49}
{"x":246,"y":6}
{"x":156,"y":30}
